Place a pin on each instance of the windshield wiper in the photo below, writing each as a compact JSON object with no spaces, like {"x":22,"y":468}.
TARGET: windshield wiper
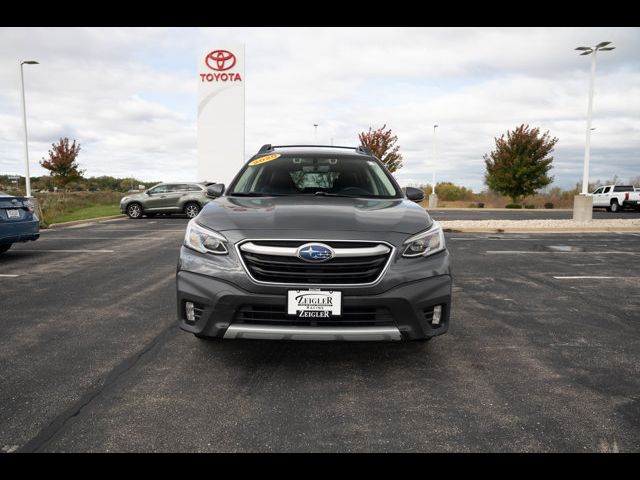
{"x":327,"y":194}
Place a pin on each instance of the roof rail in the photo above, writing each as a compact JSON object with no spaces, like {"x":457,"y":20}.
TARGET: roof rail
{"x":313,"y":146}
{"x":267,"y":147}
{"x":364,"y":149}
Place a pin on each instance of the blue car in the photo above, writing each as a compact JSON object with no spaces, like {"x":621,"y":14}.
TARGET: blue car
{"x":18,"y":222}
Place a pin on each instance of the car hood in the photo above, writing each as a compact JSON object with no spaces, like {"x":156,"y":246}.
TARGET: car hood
{"x":314,"y":213}
{"x":135,"y":196}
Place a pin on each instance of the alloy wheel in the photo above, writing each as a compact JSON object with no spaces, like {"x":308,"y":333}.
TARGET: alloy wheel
{"x":192,"y":210}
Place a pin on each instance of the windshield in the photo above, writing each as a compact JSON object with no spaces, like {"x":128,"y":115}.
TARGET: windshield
{"x":314,"y":175}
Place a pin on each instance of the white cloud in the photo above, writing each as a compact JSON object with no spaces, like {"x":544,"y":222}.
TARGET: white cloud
{"x":129,"y":94}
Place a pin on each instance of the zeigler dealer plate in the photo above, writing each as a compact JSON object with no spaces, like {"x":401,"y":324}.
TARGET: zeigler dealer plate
{"x":314,"y":303}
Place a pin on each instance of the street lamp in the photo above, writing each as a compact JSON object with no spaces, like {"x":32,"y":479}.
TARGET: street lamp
{"x":433,"y":198}
{"x":433,"y":156}
{"x":315,"y":125}
{"x":587,"y":207}
{"x":24,"y":123}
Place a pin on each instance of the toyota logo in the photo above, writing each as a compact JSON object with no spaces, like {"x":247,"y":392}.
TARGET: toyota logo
{"x":315,"y":252}
{"x":220,"y":60}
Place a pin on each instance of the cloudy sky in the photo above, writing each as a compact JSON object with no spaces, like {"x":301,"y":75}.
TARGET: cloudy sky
{"x":128,"y":95}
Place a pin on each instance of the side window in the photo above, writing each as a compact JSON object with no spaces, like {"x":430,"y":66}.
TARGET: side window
{"x":181,"y":187}
{"x":606,"y":189}
{"x":195,"y":188}
{"x":158,"y":189}
{"x":171,"y":188}
{"x":598,"y":191}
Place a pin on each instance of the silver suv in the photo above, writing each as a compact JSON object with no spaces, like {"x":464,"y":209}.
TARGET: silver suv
{"x":186,"y":197}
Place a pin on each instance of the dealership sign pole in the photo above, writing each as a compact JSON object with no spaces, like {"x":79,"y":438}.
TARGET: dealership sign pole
{"x":221,"y":105}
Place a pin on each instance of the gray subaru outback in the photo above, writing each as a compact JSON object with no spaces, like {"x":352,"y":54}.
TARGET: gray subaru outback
{"x":165,"y":198}
{"x":314,"y":243}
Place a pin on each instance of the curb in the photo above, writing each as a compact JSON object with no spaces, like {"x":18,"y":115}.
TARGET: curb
{"x":529,"y":210}
{"x":86,"y":221}
{"x":540,"y":230}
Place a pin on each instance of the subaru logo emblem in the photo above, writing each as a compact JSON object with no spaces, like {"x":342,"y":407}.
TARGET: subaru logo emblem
{"x":315,"y":252}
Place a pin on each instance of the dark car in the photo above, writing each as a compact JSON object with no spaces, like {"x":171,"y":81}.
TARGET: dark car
{"x":314,"y":243}
{"x":18,"y":222}
{"x":165,"y":198}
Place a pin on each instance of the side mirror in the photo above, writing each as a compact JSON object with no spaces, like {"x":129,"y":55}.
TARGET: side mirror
{"x":415,"y":194}
{"x":215,"y":190}
{"x":148,"y":193}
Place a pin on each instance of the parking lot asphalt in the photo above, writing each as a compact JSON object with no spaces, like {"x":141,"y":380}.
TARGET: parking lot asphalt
{"x":543,"y":354}
{"x":446,"y":214}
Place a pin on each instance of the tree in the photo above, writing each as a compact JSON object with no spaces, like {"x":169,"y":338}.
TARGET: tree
{"x":62,"y":161}
{"x":382,"y":144}
{"x":519,"y":165}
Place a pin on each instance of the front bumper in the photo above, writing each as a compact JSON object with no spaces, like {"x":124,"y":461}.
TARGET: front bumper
{"x":22,"y":231}
{"x":408,"y":303}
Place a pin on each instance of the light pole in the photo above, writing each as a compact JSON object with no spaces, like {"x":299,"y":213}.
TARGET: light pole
{"x":433,"y":198}
{"x":24,"y":123}
{"x":583,"y":207}
{"x":433,"y":156}
{"x":315,"y":126}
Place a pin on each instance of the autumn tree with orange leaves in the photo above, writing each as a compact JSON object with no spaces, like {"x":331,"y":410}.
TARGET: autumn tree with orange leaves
{"x":382,"y":144}
{"x":62,"y":161}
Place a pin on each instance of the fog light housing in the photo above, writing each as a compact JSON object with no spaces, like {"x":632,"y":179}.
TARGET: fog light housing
{"x":437,"y":315}
{"x":189,"y":308}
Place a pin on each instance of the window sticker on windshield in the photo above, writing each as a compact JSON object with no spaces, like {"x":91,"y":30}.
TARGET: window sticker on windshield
{"x":260,"y":160}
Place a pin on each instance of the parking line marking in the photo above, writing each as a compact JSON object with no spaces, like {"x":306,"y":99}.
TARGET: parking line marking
{"x":142,"y":230}
{"x":64,"y":251}
{"x":547,"y":252}
{"x":7,"y":275}
{"x":96,"y":238}
{"x":580,"y":277}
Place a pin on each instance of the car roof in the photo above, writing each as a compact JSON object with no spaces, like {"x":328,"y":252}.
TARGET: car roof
{"x":181,"y":183}
{"x":322,"y":150}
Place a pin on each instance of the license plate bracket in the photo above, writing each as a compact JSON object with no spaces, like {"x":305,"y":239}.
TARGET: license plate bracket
{"x":314,"y":303}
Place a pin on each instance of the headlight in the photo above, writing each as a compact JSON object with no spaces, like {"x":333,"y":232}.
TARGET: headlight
{"x":425,"y":243}
{"x":204,"y":240}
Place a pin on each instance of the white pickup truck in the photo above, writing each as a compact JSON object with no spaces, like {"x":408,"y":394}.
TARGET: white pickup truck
{"x":616,"y":197}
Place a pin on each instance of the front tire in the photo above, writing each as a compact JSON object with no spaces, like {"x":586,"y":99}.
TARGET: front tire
{"x":134,"y":210}
{"x":5,"y":247}
{"x":615,"y":207}
{"x":192,"y":209}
